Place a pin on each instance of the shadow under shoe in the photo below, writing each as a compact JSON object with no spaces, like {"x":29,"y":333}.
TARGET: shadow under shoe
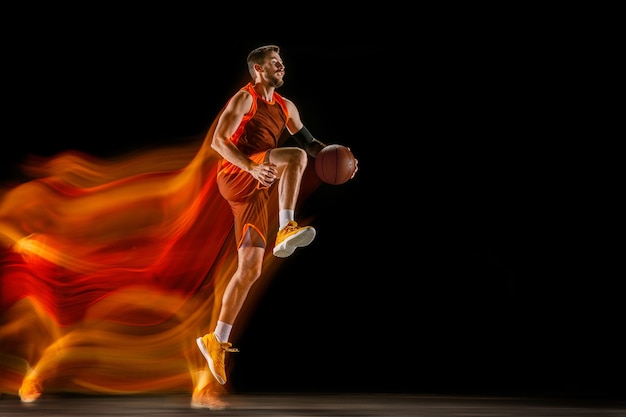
{"x":207,"y":398}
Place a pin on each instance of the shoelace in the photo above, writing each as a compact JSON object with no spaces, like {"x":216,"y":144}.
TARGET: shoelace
{"x":227,"y":347}
{"x":290,"y":227}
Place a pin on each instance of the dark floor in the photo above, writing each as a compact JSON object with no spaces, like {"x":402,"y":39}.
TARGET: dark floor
{"x":295,"y":405}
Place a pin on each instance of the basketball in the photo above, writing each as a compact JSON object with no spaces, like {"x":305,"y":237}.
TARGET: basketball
{"x":335,"y":164}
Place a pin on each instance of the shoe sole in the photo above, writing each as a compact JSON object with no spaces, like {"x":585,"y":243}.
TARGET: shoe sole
{"x":298,"y":240}
{"x":206,"y":355}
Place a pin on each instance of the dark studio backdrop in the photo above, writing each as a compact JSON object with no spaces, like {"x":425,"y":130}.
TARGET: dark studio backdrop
{"x":455,"y":261}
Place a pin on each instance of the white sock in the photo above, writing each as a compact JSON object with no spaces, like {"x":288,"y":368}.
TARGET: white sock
{"x":284,"y":217}
{"x":222,"y":331}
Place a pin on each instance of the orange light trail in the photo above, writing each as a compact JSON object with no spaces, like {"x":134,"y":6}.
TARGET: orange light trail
{"x":110,"y":268}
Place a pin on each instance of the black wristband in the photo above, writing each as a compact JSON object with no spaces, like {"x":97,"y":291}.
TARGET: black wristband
{"x":303,"y":136}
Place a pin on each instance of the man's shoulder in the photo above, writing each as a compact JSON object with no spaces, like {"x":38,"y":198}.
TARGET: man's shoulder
{"x":282,"y":99}
{"x":243,"y":96}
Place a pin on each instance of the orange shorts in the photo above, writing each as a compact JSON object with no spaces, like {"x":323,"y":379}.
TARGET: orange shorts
{"x":248,"y":200}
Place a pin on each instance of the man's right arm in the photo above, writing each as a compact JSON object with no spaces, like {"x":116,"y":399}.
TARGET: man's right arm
{"x":227,"y":124}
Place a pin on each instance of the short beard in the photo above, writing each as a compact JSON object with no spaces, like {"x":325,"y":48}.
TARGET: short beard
{"x":276,"y":82}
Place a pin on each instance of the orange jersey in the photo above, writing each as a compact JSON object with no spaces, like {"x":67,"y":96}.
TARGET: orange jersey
{"x":261,"y":128}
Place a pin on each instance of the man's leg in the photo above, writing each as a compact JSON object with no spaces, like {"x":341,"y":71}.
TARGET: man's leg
{"x":291,"y":163}
{"x":249,"y":267}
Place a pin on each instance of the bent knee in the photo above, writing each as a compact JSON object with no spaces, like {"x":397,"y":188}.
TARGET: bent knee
{"x":298,"y":156}
{"x":289,"y":156}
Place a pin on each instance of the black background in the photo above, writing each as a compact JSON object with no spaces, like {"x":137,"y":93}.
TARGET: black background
{"x":464,"y":257}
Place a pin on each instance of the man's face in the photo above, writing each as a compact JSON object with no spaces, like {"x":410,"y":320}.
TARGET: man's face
{"x":274,"y":70}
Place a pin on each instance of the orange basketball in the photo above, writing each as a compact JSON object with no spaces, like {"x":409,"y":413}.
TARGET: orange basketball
{"x":335,"y":164}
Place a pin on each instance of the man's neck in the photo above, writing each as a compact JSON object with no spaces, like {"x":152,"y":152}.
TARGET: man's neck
{"x":266,"y":92}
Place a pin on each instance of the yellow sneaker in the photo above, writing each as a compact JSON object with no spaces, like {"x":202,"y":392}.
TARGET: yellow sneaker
{"x":291,"y":237}
{"x":30,"y":390}
{"x":214,"y":353}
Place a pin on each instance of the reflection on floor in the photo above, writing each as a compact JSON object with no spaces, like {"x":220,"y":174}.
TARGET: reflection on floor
{"x":277,"y":405}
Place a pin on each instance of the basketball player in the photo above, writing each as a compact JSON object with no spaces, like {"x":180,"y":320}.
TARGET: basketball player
{"x":246,"y":136}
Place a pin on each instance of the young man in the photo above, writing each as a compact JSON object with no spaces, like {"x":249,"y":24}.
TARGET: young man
{"x":246,"y":137}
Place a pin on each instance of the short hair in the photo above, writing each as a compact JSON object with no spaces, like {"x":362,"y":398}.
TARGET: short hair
{"x":258,"y":55}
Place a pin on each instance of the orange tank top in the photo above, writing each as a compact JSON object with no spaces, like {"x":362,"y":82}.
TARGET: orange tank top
{"x":260,"y":128}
